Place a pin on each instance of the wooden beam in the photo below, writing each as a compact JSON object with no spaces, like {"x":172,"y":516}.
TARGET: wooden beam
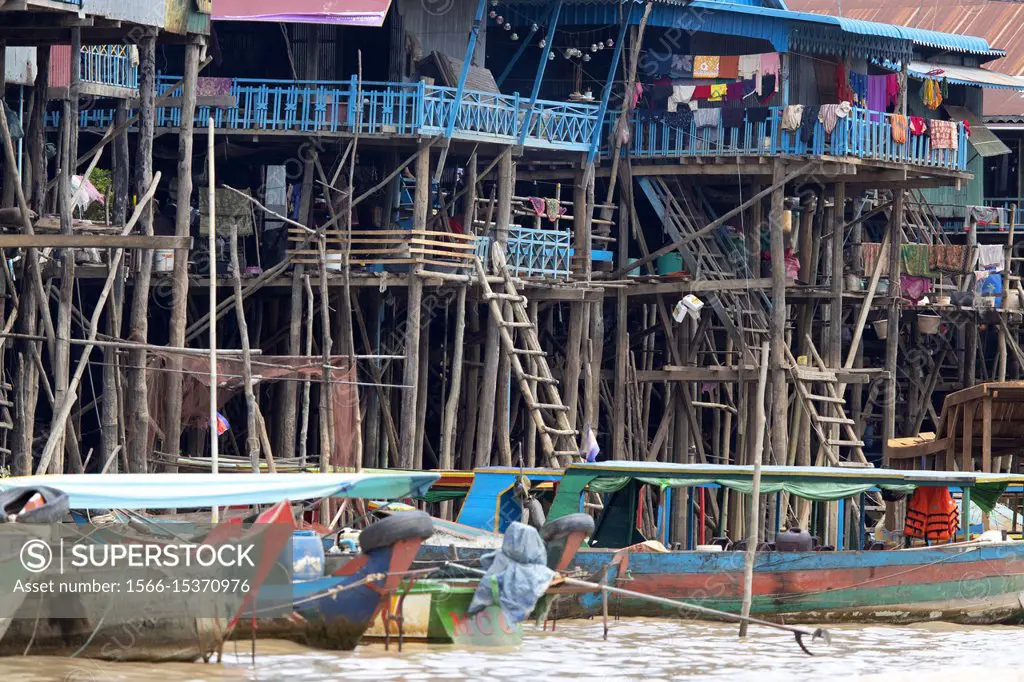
{"x":93,"y":241}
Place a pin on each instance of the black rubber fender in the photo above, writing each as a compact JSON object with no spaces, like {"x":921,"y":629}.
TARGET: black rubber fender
{"x":564,"y":526}
{"x":398,"y":526}
{"x":535,"y":514}
{"x":54,"y":509}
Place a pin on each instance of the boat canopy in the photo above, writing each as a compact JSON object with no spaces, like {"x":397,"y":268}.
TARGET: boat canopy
{"x":812,"y":483}
{"x":156,"y":491}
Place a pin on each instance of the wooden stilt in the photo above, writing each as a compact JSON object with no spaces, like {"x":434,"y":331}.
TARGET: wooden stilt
{"x":780,"y":400}
{"x":409,"y":428}
{"x":110,"y":430}
{"x":138,"y":394}
{"x":179,"y":277}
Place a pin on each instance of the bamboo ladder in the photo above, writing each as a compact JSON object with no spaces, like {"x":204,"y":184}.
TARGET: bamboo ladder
{"x":551,"y":416}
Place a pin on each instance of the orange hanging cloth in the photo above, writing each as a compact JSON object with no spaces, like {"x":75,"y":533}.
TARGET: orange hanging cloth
{"x":931,"y":514}
{"x":898,"y":124}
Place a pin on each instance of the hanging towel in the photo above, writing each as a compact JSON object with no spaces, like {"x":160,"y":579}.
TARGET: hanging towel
{"x":931,"y":94}
{"x":749,"y":65}
{"x":791,"y":117}
{"x":843,"y":90}
{"x":658,"y":96}
{"x":830,"y":114}
{"x":770,"y":63}
{"x":767,"y":87}
{"x":807,"y":123}
{"x":915,"y":259}
{"x":638,"y":90}
{"x":680,"y":94}
{"x":877,"y":99}
{"x":682,"y":66}
{"x":680,"y":119}
{"x":553,"y":209}
{"x":950,"y":258}
{"x":898,"y":124}
{"x":914,"y":288}
{"x":729,"y":67}
{"x":870,"y":252}
{"x":991,"y":257}
{"x":702,"y":92}
{"x":892,"y":89}
{"x":732,"y":116}
{"x":758,"y":114}
{"x":705,"y":67}
{"x":656,"y":62}
{"x":943,"y":134}
{"x":734,"y":91}
{"x":859,"y":86}
{"x":918,"y":126}
{"x":749,"y":87}
{"x":707,"y":118}
{"x":718,"y":92}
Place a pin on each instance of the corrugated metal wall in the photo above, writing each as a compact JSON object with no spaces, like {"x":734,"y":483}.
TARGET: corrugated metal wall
{"x":145,"y":12}
{"x":60,"y":66}
{"x":20,"y":65}
{"x":328,"y":58}
{"x":441,"y":25}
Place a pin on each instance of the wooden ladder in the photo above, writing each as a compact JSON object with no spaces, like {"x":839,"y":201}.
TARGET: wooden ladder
{"x":557,"y":436}
{"x":706,"y":259}
{"x":826,"y":411}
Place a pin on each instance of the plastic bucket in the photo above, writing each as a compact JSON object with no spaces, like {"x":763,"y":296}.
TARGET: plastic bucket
{"x":635,"y":272}
{"x":163,"y":260}
{"x":928,"y":324}
{"x":669,"y":263}
{"x":881,"y":328}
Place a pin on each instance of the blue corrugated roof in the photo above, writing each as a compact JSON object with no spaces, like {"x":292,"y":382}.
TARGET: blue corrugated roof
{"x":933,"y":39}
{"x":921,"y":37}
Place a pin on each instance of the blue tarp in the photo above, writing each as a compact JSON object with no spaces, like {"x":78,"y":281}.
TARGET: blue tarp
{"x":159,"y":491}
{"x":519,"y":571}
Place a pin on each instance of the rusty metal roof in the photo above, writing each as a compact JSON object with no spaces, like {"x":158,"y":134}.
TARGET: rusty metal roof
{"x":1000,"y":23}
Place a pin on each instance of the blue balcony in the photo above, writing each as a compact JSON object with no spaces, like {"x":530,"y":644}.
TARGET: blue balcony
{"x":863,"y":134}
{"x":258,"y":106}
{"x":109,"y":65}
{"x":409,"y":109}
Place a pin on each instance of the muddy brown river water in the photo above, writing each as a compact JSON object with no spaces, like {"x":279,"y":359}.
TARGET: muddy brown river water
{"x":637,"y":649}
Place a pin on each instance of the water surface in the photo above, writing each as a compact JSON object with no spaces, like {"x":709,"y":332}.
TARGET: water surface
{"x":637,"y":649}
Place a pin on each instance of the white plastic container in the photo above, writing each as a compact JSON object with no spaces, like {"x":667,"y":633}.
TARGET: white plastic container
{"x":163,"y":260}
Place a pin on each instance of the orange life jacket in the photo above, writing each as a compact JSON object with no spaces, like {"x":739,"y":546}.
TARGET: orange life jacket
{"x":931,"y":514}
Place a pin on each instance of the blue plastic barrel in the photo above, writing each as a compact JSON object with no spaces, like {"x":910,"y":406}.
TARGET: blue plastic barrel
{"x":307,"y":555}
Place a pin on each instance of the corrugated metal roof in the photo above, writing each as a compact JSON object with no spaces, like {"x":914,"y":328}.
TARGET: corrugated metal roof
{"x":927,"y":38}
{"x":1001,"y":24}
{"x":965,"y":75}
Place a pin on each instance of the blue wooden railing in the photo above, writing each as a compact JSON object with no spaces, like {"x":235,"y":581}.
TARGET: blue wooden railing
{"x":538,"y":253}
{"x":108,"y":65}
{"x":863,"y":134}
{"x":385,"y":108}
{"x":411,"y":109}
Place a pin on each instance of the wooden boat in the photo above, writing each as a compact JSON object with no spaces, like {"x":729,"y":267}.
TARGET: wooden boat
{"x":105,"y":632}
{"x":171,"y":630}
{"x":963,"y":582}
{"x":436,"y":610}
{"x":333,"y":611}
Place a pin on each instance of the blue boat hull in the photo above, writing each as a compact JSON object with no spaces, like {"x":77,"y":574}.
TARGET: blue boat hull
{"x":334,"y":611}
